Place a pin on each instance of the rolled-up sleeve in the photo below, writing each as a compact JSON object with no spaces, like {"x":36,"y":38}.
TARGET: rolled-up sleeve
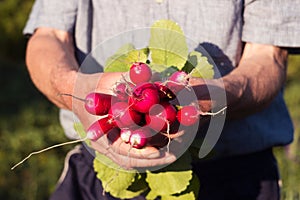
{"x":56,"y":14}
{"x":275,"y":22}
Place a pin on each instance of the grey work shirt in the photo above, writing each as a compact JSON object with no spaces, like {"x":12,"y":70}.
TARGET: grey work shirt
{"x":220,"y":26}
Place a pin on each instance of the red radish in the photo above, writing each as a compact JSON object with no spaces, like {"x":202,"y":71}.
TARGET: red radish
{"x":122,"y":90}
{"x":95,"y":103}
{"x":140,"y":73}
{"x":143,"y":97}
{"x":188,"y":115}
{"x":165,"y":93}
{"x":139,"y":137}
{"x":177,"y":81}
{"x":161,"y":116}
{"x":98,"y":103}
{"x":125,"y":134}
{"x":99,"y":128}
{"x":123,"y":115}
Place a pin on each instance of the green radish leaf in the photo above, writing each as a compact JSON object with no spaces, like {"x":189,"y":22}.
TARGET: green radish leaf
{"x":174,"y":178}
{"x":192,"y":190}
{"x":199,"y":66}
{"x":151,"y":195}
{"x":169,"y":71}
{"x":172,"y":181}
{"x":122,"y":60}
{"x":167,"y":44}
{"x":158,"y":67}
{"x":116,"y":180}
{"x":193,"y":187}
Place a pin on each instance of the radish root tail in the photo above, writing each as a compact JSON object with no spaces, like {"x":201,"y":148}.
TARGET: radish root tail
{"x":46,"y":149}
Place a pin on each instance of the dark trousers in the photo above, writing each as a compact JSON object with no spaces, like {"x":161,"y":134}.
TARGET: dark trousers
{"x":247,"y":177}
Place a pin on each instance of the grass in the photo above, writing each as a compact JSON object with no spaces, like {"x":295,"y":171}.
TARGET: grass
{"x":289,"y":157}
{"x":28,"y":122}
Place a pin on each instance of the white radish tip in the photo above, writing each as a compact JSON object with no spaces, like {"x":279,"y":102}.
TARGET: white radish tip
{"x":91,"y":135}
{"x":125,"y":135}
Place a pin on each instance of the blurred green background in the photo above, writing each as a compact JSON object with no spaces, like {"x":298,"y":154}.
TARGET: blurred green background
{"x":29,"y":122}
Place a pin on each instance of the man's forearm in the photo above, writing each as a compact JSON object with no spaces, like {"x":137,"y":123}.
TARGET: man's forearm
{"x":51,"y":63}
{"x":252,"y":85}
{"x":257,"y":80}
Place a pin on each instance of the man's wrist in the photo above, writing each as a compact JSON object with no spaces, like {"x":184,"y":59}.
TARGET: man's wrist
{"x":63,"y":83}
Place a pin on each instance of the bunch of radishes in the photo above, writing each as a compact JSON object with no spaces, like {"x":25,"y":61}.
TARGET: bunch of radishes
{"x":141,"y":109}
